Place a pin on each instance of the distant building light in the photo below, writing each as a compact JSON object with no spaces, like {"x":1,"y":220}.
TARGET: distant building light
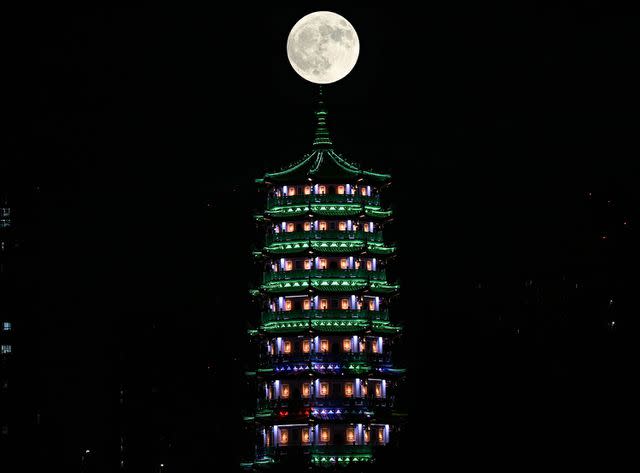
{"x":5,"y":349}
{"x":6,"y":326}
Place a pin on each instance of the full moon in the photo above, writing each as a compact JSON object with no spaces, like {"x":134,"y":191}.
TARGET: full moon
{"x":323,"y":47}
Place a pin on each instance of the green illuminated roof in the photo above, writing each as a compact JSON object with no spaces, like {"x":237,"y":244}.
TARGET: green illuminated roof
{"x":328,"y":285}
{"x":329,"y":246}
{"x":330,"y":325}
{"x":328,"y":210}
{"x":323,"y":163}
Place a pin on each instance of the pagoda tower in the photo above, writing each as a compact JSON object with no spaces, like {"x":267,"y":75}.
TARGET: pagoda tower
{"x":325,"y":379}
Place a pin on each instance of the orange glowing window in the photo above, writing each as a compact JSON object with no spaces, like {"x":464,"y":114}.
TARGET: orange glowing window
{"x":374,"y":347}
{"x":291,"y":227}
{"x":369,"y":265}
{"x":342,"y":226}
{"x":268,"y":439}
{"x":356,"y":264}
{"x":363,"y":345}
{"x":306,"y":346}
{"x":340,"y":189}
{"x":344,"y":304}
{"x":324,"y":304}
{"x":346,"y":344}
{"x":307,"y":264}
{"x":351,"y":434}
{"x":306,"y":304}
{"x":288,"y":265}
{"x":324,"y":389}
{"x":305,"y":436}
{"x":367,"y":436}
{"x":324,"y":434}
{"x":292,"y":191}
{"x":363,"y":191}
{"x":381,"y":434}
{"x":322,"y":190}
{"x":284,"y":391}
{"x":324,"y":346}
{"x":372,"y":305}
{"x":348,"y":389}
{"x":344,"y":264}
{"x":323,"y":263}
{"x":322,"y":225}
{"x":307,"y":226}
{"x":307,"y":190}
{"x":306,"y":390}
{"x":366,"y":227}
{"x":284,"y":436}
{"x":270,"y":392}
{"x":287,"y":346}
{"x":363,"y":389}
{"x":378,"y":389}
{"x":288,"y":305}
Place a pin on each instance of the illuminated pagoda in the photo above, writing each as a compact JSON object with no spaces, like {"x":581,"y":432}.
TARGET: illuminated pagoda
{"x":325,"y":378}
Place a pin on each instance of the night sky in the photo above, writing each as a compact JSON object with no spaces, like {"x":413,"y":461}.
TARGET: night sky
{"x":135,"y":135}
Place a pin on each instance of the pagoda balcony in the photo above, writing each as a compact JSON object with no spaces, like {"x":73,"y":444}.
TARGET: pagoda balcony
{"x":333,"y":314}
{"x":358,"y":235}
{"x":330,"y":407}
{"x":361,"y":273}
{"x":342,"y":357}
{"x":273,"y":201}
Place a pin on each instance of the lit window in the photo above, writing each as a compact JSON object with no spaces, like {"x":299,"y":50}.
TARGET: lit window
{"x":306,"y":390}
{"x":367,"y":436}
{"x":287,"y":346}
{"x":288,"y":265}
{"x":305,"y":436}
{"x":322,"y":225}
{"x":363,"y":191}
{"x":306,"y":304}
{"x":344,"y":264}
{"x":351,"y":434}
{"x":307,"y":226}
{"x":284,"y":436}
{"x":307,"y":264}
{"x":306,"y":346}
{"x":268,"y":439}
{"x":381,"y":434}
{"x":372,"y":305}
{"x":291,"y":227}
{"x":344,"y":304}
{"x":340,"y":189}
{"x":322,"y":190}
{"x":284,"y":391}
{"x":363,"y":345}
{"x":378,"y":389}
{"x":323,"y":263}
{"x":270,"y":348}
{"x":6,"y":326}
{"x":363,"y":388}
{"x":5,"y":349}
{"x":366,"y":227}
{"x":324,"y":346}
{"x":292,"y":191}
{"x":307,"y":190}
{"x":369,"y":265}
{"x":270,"y":392}
{"x":374,"y":347}
{"x":346,"y":344}
{"x":348,"y":389}
{"x":288,"y":305}
{"x":359,"y":303}
{"x":356,"y":264}
{"x":276,"y":229}
{"x":324,"y":389}
{"x":324,"y":304}
{"x":324,"y":434}
{"x":342,"y":226}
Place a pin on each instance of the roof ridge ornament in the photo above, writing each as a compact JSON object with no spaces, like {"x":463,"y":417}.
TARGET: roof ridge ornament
{"x":322,"y":139}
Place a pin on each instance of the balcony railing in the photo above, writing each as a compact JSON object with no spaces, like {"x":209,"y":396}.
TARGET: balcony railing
{"x":273,"y":201}
{"x":324,"y":314}
{"x":324,"y":235}
{"x":317,"y":403}
{"x":341,"y":357}
{"x":325,"y":273}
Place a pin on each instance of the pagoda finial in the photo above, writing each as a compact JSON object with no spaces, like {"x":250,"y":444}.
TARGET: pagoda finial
{"x":322,"y":138}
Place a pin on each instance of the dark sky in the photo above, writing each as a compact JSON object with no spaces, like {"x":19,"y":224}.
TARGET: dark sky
{"x":143,"y":127}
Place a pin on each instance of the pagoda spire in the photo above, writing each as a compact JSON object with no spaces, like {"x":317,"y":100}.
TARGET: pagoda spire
{"x":322,"y":139}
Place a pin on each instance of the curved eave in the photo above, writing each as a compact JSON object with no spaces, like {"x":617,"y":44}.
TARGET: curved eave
{"x":326,"y":247}
{"x":328,"y":210}
{"x":329,"y":325}
{"x":298,"y":286}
